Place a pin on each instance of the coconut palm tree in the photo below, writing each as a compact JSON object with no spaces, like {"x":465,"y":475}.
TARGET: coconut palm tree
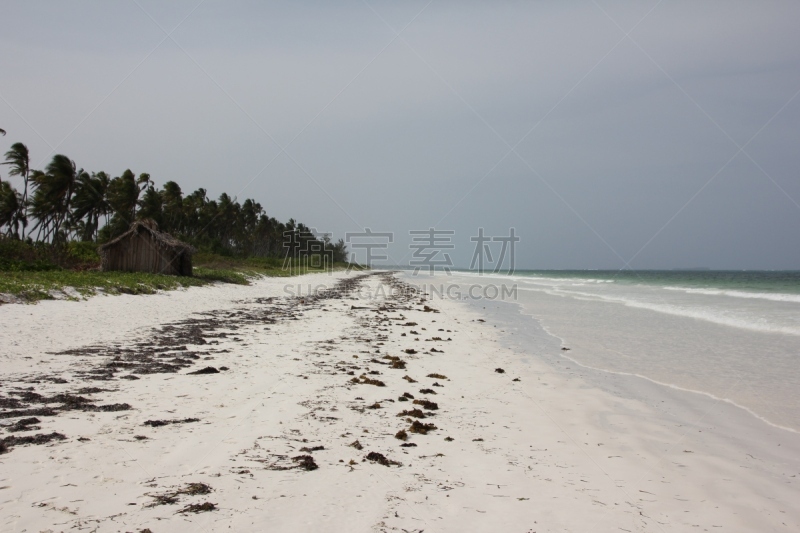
{"x":90,"y":203}
{"x":19,"y":160}
{"x":52,"y":196}
{"x":12,"y":210}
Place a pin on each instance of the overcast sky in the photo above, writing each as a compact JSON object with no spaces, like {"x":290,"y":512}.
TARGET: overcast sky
{"x":649,"y":134}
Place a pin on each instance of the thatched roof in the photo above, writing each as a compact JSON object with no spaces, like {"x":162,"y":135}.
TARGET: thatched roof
{"x":164,"y":240}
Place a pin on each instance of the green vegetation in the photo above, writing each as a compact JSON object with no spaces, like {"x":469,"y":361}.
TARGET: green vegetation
{"x":28,"y":274}
{"x":49,"y":232}
{"x":32,"y":286}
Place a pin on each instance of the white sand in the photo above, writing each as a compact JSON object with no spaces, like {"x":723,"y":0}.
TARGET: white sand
{"x":555,"y":454}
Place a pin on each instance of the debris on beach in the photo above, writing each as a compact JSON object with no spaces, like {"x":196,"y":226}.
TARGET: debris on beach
{"x":381,"y":459}
{"x":427,"y":404}
{"x":306,"y":462}
{"x":25,"y":424}
{"x":206,"y":370}
{"x":422,"y":429}
{"x":199,"y":508}
{"x":364,"y":380}
{"x":499,"y":370}
{"x":172,"y":497}
{"x":159,"y":423}
{"x":437,"y":376}
{"x":7,"y":443}
{"x":416,"y":413}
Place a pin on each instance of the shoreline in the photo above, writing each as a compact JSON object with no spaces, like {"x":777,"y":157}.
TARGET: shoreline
{"x":539,"y":446}
{"x":707,"y":395}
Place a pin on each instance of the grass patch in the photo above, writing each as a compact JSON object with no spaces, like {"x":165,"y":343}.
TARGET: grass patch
{"x":54,"y":282}
{"x":32,"y":286}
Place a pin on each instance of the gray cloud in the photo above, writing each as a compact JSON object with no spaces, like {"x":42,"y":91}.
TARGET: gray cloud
{"x":622,"y":136}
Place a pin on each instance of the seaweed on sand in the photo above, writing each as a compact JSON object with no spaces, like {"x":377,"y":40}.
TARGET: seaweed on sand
{"x":159,"y":423}
{"x":364,"y":380}
{"x":422,"y":429}
{"x":427,"y":404}
{"x":199,"y":508}
{"x":170,"y":498}
{"x":41,"y":438}
{"x":25,"y":424}
{"x":206,"y":370}
{"x":306,"y":462}
{"x":381,"y":459}
{"x":416,"y":413}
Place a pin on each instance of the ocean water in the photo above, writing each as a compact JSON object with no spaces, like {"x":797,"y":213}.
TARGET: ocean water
{"x":733,"y":336}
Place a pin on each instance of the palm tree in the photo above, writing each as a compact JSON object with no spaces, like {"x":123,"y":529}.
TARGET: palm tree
{"x":19,"y":160}
{"x":90,"y":202}
{"x":53,"y":195}
{"x":2,"y":132}
{"x":151,"y":206}
{"x":12,"y":210}
{"x":172,"y":207}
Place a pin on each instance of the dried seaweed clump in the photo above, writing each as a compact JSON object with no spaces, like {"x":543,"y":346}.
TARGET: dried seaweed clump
{"x":409,"y":379}
{"x":402,"y":435}
{"x":416,"y":413}
{"x":433,"y":406}
{"x":25,"y":424}
{"x":206,"y":370}
{"x":364,"y":380}
{"x":427,"y":391}
{"x":357,"y":445}
{"x":379,"y":458}
{"x":499,"y":370}
{"x":41,"y":438}
{"x":306,"y":462}
{"x":396,"y":362}
{"x":159,"y":423}
{"x":422,"y":429}
{"x":170,"y":498}
{"x":199,"y":508}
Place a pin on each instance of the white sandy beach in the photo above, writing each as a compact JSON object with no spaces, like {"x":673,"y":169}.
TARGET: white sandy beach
{"x":534,"y":448}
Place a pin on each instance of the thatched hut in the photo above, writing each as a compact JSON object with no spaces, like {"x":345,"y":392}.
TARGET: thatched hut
{"x":145,"y":249}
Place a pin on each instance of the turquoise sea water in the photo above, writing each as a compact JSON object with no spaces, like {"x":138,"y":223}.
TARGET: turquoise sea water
{"x":770,"y":281}
{"x":732,"y":335}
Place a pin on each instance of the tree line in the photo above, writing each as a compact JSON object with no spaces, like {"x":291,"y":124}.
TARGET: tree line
{"x":63,"y":202}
